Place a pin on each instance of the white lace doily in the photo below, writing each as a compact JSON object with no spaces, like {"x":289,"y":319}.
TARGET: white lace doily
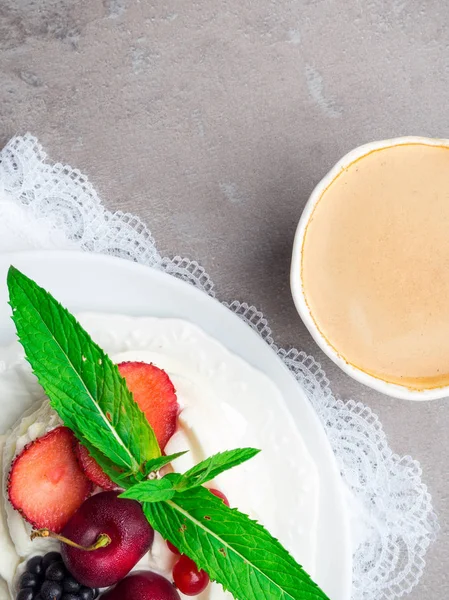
{"x":45,"y":205}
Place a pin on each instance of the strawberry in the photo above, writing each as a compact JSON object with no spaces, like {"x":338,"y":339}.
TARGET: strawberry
{"x":92,"y":469}
{"x":155,"y":394}
{"x":46,"y":484}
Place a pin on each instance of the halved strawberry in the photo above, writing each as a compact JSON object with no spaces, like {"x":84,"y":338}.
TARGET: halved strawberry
{"x":155,"y":394}
{"x":46,"y":483}
{"x":92,"y":469}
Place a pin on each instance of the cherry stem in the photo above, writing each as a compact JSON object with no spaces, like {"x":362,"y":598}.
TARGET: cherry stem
{"x":102,"y":540}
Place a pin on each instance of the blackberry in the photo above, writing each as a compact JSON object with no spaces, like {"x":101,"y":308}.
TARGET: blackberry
{"x":47,"y":578}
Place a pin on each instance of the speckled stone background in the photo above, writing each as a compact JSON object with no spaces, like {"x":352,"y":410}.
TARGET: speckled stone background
{"x":214,"y":120}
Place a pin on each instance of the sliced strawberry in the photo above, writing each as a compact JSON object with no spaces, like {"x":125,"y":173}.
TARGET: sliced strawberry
{"x":46,"y":483}
{"x":92,"y":469}
{"x":155,"y":394}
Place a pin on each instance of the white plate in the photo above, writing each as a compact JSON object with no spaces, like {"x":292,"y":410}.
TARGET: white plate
{"x":85,"y":282}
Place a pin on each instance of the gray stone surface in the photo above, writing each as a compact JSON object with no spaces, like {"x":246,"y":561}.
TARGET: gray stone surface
{"x":213,"y":121}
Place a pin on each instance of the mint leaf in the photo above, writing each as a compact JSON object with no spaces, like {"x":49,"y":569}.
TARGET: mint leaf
{"x":214,"y":465}
{"x":153,"y":490}
{"x":157,"y":463}
{"x":82,"y":383}
{"x":234,"y":550}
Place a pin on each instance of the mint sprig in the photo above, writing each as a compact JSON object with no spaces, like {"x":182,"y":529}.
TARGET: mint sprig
{"x":83,"y":384}
{"x":89,"y":394}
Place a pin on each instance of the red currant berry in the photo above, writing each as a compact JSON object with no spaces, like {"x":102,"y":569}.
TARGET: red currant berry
{"x":220,"y":495}
{"x":188,"y":578}
{"x":172,"y":548}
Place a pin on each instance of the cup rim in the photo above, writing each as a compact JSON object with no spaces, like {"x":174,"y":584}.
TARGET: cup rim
{"x":296,"y":283}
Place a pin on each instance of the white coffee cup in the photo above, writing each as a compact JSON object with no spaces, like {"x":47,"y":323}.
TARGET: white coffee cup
{"x":297,"y":286}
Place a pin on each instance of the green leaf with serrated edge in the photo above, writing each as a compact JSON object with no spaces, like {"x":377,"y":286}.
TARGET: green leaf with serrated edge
{"x":234,"y":550}
{"x":153,"y":490}
{"x":157,"y":463}
{"x":83,"y":384}
{"x":214,"y":465}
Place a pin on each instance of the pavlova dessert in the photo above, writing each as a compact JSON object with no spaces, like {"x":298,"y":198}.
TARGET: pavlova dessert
{"x":131,"y":477}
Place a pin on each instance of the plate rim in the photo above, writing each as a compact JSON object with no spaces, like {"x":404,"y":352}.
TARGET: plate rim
{"x":44,"y":259}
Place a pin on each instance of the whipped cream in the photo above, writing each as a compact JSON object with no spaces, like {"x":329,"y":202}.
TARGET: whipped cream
{"x":225,"y":404}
